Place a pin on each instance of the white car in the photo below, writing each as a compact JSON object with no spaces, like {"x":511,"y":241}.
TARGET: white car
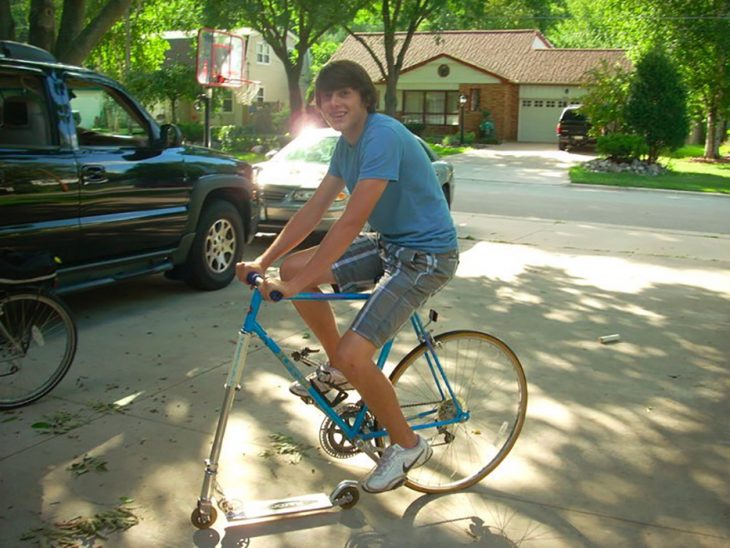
{"x":292,"y":175}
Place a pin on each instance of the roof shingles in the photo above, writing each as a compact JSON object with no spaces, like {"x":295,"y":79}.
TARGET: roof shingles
{"x":509,"y":54}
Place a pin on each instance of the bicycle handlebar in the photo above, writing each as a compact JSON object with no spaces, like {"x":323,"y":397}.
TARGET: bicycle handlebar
{"x":255,"y":279}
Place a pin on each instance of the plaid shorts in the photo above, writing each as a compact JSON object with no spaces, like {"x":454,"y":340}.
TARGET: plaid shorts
{"x":401,"y":280}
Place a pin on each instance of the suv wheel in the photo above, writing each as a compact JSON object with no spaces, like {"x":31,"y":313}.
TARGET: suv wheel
{"x":218,"y":246}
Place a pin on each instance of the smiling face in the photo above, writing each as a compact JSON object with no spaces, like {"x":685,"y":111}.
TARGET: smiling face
{"x":345,"y":111}
{"x":345,"y":95}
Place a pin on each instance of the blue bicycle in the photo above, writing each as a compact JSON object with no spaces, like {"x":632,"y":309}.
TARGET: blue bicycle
{"x":464,"y":391}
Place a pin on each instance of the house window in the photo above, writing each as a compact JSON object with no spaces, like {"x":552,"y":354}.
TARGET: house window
{"x":550,"y":104}
{"x":431,"y":107}
{"x":226,"y":99}
{"x":263,"y":54}
{"x":539,"y":103}
{"x":259,"y":96}
{"x":526,"y":103}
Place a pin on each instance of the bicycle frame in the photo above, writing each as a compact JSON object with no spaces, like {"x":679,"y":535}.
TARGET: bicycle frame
{"x":354,"y":432}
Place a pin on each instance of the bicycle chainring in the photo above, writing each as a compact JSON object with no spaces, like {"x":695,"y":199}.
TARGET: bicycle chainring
{"x":333,"y":440}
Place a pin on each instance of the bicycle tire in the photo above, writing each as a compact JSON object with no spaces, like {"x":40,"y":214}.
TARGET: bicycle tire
{"x":488,"y":380}
{"x":37,"y":346}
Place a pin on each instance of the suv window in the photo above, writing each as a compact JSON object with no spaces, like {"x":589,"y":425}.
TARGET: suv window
{"x":573,"y":115}
{"x":24,"y":121}
{"x":103,"y":118}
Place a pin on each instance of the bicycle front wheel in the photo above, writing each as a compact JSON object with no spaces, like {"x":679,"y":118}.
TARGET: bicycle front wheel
{"x":37,"y":346}
{"x":487,"y":381}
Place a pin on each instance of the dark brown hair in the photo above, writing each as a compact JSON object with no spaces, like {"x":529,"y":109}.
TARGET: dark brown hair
{"x":346,"y":74}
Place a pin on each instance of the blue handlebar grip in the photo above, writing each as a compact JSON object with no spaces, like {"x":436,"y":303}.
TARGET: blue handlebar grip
{"x":253,"y":278}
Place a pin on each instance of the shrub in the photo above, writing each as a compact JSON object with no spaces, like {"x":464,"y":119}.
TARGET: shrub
{"x":237,"y":139}
{"x":621,"y":147}
{"x":416,"y":127}
{"x":657,"y":104}
{"x":192,"y":131}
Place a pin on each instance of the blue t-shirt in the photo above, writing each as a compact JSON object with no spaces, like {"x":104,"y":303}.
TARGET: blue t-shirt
{"x":412,"y":211}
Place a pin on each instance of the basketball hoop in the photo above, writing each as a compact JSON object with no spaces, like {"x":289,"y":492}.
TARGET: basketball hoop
{"x":220,"y":59}
{"x":247,"y":92}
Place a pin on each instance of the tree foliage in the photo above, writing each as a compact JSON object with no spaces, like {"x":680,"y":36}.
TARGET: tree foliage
{"x":276,"y":19}
{"x":605,"y":99}
{"x":694,"y":33}
{"x":135,"y":42}
{"x":657,"y":104}
{"x":171,"y":82}
{"x":398,"y":16}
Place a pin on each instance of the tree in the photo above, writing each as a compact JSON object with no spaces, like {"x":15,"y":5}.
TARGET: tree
{"x":171,"y":82}
{"x":497,"y":14}
{"x":80,"y":30}
{"x":136,"y":43}
{"x":698,"y":33}
{"x":694,"y":33}
{"x":604,"y":102}
{"x":397,"y":15}
{"x":277,"y":20}
{"x":657,"y":104}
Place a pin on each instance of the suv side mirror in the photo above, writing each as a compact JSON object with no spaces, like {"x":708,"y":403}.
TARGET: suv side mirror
{"x":170,"y":136}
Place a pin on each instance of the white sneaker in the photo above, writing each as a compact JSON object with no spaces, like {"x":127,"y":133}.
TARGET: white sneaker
{"x":324,"y":378}
{"x":392,"y":468}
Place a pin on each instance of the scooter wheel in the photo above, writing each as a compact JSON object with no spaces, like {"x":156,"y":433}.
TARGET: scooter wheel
{"x":200,"y":521}
{"x":347,"y":497}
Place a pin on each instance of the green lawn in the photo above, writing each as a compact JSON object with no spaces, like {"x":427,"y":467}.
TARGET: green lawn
{"x":687,"y":172}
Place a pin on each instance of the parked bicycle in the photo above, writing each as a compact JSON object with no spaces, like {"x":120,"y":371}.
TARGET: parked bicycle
{"x":464,"y":391}
{"x":37,"y":332}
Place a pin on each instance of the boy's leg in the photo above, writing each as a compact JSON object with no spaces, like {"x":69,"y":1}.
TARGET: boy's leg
{"x":355,"y":359}
{"x":318,"y":315}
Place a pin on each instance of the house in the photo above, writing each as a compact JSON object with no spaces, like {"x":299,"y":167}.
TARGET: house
{"x":515,"y":78}
{"x":261,"y":65}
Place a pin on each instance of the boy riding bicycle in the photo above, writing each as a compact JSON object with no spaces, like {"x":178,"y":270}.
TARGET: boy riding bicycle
{"x":412,"y":255}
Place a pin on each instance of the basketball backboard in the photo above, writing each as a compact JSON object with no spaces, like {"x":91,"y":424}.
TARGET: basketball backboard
{"x":220,"y":59}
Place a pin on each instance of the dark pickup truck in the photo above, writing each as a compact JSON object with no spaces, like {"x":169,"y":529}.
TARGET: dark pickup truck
{"x":88,"y":175}
{"x":573,"y":129}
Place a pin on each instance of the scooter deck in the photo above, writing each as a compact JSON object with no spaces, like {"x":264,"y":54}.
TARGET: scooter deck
{"x":272,"y":508}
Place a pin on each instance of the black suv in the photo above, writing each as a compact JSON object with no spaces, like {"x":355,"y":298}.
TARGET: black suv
{"x":87,"y":174}
{"x":573,"y":128}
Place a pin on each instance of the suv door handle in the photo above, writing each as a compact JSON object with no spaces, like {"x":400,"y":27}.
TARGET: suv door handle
{"x":92,"y":174}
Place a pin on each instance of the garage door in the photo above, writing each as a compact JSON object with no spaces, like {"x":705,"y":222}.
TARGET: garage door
{"x":538,"y":118}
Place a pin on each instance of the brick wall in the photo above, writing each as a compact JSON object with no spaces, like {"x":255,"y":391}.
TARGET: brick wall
{"x":501,"y":100}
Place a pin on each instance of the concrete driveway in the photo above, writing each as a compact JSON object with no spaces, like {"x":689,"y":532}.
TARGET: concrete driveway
{"x":624,"y":445}
{"x":518,"y":162}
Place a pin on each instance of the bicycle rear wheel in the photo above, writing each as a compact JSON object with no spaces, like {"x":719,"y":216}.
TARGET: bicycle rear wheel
{"x":37,"y":346}
{"x":489,"y":383}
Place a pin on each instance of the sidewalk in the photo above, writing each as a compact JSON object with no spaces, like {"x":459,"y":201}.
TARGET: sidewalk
{"x":625,"y":444}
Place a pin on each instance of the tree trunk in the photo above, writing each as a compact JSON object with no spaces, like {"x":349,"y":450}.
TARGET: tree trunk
{"x":712,"y":146}
{"x":296,"y":104}
{"x":42,"y":24}
{"x":80,"y":46}
{"x":391,"y":94}
{"x":7,"y":24}
{"x":72,"y":23}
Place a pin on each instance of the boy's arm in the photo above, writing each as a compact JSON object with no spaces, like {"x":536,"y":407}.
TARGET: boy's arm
{"x":340,"y":235}
{"x":303,"y":222}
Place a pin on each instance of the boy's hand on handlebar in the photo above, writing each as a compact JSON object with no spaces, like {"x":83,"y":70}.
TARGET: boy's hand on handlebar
{"x":272,"y":285}
{"x":243,"y":269}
